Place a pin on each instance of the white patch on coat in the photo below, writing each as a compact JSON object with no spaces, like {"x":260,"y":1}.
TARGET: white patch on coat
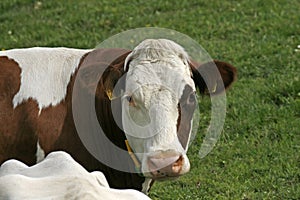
{"x":157,"y":74}
{"x":45,"y":74}
{"x":40,"y":153}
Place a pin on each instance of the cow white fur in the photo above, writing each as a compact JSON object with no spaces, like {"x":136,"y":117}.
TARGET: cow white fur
{"x":57,"y":177}
{"x":155,"y":81}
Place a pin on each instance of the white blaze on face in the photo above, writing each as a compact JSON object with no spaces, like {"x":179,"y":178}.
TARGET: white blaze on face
{"x":157,"y":75}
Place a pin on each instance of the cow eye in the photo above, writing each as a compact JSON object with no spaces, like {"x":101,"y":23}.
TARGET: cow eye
{"x":192,"y":98}
{"x":129,"y":99}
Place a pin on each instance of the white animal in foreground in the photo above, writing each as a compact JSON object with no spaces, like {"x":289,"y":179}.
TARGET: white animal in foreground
{"x":58,"y":176}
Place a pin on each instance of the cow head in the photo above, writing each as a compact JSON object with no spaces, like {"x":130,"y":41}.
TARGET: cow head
{"x":158,"y":103}
{"x":155,"y":86}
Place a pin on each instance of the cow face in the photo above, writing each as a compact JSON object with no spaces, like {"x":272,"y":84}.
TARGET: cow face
{"x":159,"y":89}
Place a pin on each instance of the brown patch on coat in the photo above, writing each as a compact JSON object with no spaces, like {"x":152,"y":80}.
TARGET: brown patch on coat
{"x":17,"y":140}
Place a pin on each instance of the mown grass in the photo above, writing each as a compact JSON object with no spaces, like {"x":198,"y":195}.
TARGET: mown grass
{"x":258,"y":154}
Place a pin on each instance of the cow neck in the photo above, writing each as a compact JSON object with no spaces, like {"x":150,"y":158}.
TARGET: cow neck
{"x":117,"y":67}
{"x":100,"y":60}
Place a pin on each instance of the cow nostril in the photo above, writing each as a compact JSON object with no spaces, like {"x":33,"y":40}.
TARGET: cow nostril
{"x":177,"y":166}
{"x":163,"y":174}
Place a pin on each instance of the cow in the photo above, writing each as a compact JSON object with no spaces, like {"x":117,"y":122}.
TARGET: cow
{"x":58,"y":176}
{"x":143,"y":98}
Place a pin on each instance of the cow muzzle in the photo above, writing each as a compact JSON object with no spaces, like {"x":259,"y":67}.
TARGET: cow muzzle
{"x":165,"y":165}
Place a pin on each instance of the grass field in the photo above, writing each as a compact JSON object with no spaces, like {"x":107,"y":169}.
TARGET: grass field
{"x":258,"y":154}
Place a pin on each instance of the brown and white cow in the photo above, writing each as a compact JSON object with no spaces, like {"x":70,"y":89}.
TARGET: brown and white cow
{"x":152,"y":106}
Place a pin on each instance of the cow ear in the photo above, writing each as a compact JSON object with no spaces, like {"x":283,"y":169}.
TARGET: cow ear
{"x":100,"y":79}
{"x":90,"y":75}
{"x":101,"y":70}
{"x":213,"y":77}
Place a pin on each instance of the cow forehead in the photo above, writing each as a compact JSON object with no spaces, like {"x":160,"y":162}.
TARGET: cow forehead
{"x":161,"y":62}
{"x":172,"y":74}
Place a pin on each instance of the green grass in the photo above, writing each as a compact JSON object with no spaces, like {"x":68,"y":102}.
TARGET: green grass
{"x":258,"y":154}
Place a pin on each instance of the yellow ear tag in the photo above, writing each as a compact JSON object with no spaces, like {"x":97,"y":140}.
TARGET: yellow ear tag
{"x":214,"y":89}
{"x":109,"y":94}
